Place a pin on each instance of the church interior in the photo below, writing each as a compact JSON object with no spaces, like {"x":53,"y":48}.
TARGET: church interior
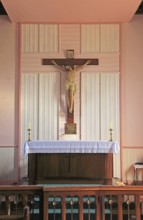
{"x":71,"y":142}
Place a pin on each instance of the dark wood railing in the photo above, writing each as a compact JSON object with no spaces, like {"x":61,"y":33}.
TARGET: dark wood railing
{"x":93,"y":203}
{"x":21,"y":202}
{"x":71,"y":202}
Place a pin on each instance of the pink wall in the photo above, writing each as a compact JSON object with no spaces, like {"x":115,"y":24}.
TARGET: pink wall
{"x":132,"y":83}
{"x":8,"y":79}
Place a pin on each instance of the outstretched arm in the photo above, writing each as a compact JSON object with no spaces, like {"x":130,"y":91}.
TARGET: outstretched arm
{"x":82,"y":66}
{"x":58,"y":66}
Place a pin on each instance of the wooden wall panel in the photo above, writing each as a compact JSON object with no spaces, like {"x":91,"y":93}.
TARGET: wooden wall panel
{"x":100,"y":102}
{"x":29,"y":104}
{"x":30,"y":38}
{"x":100,"y":38}
{"x":40,"y":105}
{"x":48,"y":38}
{"x":40,"y":38}
{"x":49,"y":101}
{"x":90,"y":38}
{"x":110,"y":38}
{"x":90,"y":106}
{"x":109,"y":97}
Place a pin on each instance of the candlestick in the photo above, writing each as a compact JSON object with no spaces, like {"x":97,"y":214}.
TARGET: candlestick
{"x":111,"y":131}
{"x":29,"y":134}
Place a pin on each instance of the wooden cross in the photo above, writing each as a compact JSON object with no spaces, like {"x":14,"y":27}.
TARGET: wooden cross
{"x":70,"y":61}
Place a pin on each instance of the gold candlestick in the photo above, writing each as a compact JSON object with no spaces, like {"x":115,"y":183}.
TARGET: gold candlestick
{"x":29,"y":134}
{"x":111,"y":131}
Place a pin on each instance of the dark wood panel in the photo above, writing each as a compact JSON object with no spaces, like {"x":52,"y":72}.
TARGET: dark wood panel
{"x":70,"y":61}
{"x":63,"y":167}
{"x":91,"y":165}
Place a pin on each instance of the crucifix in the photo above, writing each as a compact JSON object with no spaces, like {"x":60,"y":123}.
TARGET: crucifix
{"x":70,"y":66}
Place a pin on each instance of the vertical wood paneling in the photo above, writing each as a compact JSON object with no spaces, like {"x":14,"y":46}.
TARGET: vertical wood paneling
{"x":30,"y":38}
{"x":29,"y":106}
{"x":49,"y":94}
{"x":90,"y":38}
{"x":110,"y":38}
{"x":110,"y":115}
{"x":100,"y":38}
{"x":90,"y":109}
{"x":48,"y":38}
{"x":100,"y":101}
{"x":109,"y":90}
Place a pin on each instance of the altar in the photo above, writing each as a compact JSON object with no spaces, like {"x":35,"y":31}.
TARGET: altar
{"x":70,"y":161}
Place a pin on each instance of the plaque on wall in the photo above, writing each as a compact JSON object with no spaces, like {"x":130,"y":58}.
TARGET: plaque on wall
{"x":70,"y":128}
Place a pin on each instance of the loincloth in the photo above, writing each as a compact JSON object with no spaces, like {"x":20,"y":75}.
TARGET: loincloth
{"x":70,"y":86}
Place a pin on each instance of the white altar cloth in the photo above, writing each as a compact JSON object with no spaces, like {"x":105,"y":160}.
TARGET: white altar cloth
{"x":58,"y":146}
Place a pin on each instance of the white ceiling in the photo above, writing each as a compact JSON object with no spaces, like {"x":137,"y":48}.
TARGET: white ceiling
{"x":71,"y":11}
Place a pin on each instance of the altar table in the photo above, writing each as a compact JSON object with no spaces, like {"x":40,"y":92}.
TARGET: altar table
{"x":70,"y":147}
{"x":70,"y":161}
